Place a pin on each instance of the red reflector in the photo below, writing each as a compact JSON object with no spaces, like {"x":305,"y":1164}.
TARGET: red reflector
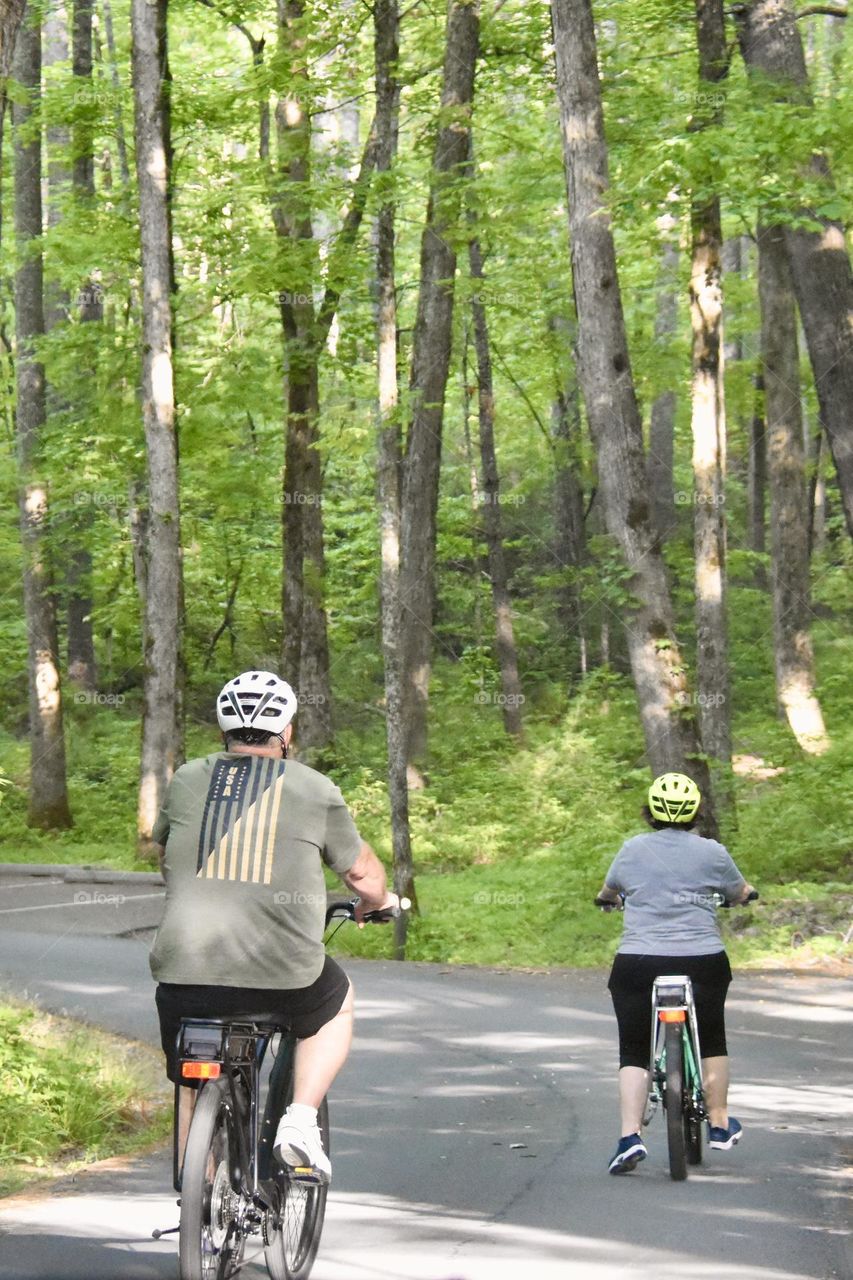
{"x":200,"y":1070}
{"x":672,"y":1015}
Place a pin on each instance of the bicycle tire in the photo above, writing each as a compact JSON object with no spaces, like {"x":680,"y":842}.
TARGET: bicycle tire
{"x":291,"y":1250}
{"x":692,"y":1133}
{"x":209,"y":1248}
{"x":674,"y":1102}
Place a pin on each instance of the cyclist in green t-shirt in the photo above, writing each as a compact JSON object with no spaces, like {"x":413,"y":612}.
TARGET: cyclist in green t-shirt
{"x":243,"y":836}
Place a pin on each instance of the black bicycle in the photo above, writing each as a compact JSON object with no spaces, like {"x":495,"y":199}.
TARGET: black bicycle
{"x":232,"y":1189}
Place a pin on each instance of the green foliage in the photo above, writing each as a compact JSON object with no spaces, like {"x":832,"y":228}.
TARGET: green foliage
{"x":70,"y":1094}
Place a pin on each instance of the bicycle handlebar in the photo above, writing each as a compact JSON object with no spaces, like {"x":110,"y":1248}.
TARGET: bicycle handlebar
{"x":605,"y":904}
{"x":382,"y":915}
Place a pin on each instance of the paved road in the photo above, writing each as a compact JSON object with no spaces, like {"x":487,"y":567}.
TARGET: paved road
{"x":450,"y":1068}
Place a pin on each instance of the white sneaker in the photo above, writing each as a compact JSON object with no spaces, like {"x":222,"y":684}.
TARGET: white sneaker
{"x":298,"y":1143}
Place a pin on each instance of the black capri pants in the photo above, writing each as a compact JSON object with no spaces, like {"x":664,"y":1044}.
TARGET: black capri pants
{"x":630,"y":987}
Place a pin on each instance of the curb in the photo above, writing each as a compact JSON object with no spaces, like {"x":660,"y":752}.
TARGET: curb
{"x":86,"y":874}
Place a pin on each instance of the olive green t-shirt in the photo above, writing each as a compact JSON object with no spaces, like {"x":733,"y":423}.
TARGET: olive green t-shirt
{"x":246,"y":838}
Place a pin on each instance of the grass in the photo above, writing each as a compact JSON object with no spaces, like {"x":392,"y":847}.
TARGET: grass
{"x":71,"y":1095}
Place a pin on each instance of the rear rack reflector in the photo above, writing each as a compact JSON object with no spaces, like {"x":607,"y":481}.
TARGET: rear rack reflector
{"x":200,"y":1070}
{"x":672,"y":1015}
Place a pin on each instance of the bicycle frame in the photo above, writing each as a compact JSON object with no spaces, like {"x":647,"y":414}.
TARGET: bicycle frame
{"x":234,"y":1047}
{"x":672,"y":1001}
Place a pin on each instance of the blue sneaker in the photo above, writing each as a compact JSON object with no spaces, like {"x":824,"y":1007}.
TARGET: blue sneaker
{"x":725,"y":1139}
{"x":629,"y":1153}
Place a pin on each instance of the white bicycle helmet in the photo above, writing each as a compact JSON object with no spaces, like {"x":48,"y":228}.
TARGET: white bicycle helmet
{"x":256,"y":700}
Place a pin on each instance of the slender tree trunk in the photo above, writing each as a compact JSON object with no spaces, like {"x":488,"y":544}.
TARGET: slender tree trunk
{"x":305,"y":654}
{"x":11,"y":13}
{"x":161,"y":726}
{"x":789,"y":532}
{"x":659,"y":463}
{"x":569,"y":522}
{"x":121,"y":141}
{"x":430,"y":364}
{"x":604,"y":372}
{"x":709,"y":427}
{"x":81,"y":645}
{"x":820,"y":265}
{"x":505,"y":648}
{"x":48,"y":804}
{"x":386,"y":54}
{"x":757,"y":477}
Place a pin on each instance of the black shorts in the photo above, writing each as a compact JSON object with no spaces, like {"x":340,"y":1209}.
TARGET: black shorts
{"x":630,"y":987}
{"x":302,"y":1010}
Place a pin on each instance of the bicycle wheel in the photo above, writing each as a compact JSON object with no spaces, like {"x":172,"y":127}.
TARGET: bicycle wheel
{"x":692,"y":1132}
{"x":674,"y":1102}
{"x":292,"y":1238}
{"x":210,"y":1247}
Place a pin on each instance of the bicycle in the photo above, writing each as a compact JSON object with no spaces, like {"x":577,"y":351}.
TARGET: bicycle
{"x":675,"y":1064}
{"x":231,"y":1188}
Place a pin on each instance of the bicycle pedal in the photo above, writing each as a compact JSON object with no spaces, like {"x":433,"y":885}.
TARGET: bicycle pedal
{"x":306,"y":1174}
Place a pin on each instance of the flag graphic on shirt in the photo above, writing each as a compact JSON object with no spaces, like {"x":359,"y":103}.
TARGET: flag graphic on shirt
{"x":237,"y":838}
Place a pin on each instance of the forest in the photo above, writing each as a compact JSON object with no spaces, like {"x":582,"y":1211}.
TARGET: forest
{"x":486,"y":370}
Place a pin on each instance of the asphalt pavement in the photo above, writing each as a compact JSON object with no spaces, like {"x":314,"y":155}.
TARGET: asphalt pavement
{"x":472,"y":1126}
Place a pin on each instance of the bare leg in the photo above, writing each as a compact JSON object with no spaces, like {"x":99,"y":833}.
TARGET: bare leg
{"x":715,"y":1081}
{"x":633,"y":1092}
{"x":186,"y":1107}
{"x":320,"y":1057}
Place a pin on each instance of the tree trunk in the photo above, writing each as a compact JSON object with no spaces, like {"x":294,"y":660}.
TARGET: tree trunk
{"x":709,"y":426}
{"x":789,"y":531}
{"x":820,"y":266}
{"x":121,"y":141}
{"x":757,"y":477}
{"x":430,"y":364}
{"x":161,"y":726}
{"x":81,"y":645}
{"x":305,"y":652}
{"x":569,"y":522}
{"x":505,"y":649}
{"x":659,"y":463}
{"x":48,"y":802}
{"x":606,"y":382}
{"x":386,"y":52}
{"x":11,"y":13}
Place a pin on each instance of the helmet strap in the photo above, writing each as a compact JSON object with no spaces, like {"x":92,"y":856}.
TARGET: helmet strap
{"x":280,"y":737}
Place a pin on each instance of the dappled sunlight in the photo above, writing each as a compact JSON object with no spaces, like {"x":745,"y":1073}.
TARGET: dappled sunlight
{"x":797,"y":1099}
{"x":794,"y":1012}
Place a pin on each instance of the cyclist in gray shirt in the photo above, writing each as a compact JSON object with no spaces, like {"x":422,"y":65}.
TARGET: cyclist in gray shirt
{"x":667,"y":879}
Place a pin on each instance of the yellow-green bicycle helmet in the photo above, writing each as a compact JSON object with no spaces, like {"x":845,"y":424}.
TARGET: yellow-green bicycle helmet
{"x":673,"y":797}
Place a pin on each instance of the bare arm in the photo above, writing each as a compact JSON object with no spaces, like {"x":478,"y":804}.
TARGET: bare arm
{"x":366,"y":877}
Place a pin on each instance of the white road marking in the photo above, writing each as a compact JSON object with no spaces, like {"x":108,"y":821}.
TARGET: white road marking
{"x":57,"y":906}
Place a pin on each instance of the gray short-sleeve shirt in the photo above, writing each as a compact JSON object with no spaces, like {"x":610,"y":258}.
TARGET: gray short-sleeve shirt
{"x":245,"y":839}
{"x":669,"y":878}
